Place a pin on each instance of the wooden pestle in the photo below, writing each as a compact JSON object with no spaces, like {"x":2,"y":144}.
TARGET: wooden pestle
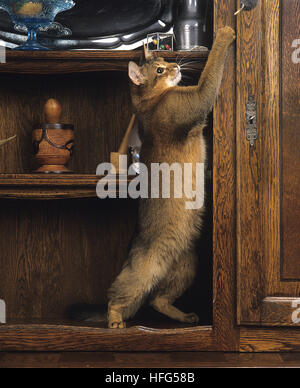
{"x":123,"y":150}
{"x":52,"y":111}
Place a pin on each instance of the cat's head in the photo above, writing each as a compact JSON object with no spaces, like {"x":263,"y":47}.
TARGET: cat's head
{"x":155,"y":75}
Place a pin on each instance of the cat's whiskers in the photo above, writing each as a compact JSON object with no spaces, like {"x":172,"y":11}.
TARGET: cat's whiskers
{"x":181,"y":59}
{"x":190,"y":53}
{"x":191,"y":63}
{"x":191,"y":66}
{"x":186,"y":80}
{"x":188,"y":71}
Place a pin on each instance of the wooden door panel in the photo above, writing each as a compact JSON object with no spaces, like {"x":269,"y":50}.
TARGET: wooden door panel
{"x":249,"y":84}
{"x":290,"y":135}
{"x":268,"y":228}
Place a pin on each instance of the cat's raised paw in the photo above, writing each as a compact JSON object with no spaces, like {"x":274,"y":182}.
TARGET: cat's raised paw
{"x":228,"y":33}
{"x":191,"y":318}
{"x":117,"y":325}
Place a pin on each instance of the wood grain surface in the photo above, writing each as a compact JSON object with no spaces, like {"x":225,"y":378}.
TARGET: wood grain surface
{"x":52,"y":187}
{"x":282,"y":311}
{"x":149,"y":360}
{"x":56,"y":253}
{"x":224,"y":194}
{"x":250,"y":80}
{"x":62,"y":62}
{"x":97,"y":104}
{"x":290,"y":135}
{"x":269,"y":339}
{"x":259,"y":174}
{"x":43,"y":337}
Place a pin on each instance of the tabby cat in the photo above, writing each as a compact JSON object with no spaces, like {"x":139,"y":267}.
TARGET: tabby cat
{"x":162,"y":262}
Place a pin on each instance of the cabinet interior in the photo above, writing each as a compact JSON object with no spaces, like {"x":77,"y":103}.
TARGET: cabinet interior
{"x":54,"y":253}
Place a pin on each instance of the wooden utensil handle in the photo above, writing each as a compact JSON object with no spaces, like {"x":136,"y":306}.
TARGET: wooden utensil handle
{"x":53,"y":111}
{"x":124,"y":145}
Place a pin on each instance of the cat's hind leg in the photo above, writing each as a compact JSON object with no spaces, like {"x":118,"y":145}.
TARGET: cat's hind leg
{"x":145,"y":269}
{"x":179,"y":278}
{"x":163,"y":305}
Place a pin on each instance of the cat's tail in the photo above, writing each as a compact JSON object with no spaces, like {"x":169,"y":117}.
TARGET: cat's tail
{"x":82,"y":312}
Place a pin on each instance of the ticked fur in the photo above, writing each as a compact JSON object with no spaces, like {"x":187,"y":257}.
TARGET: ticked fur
{"x":162,"y":261}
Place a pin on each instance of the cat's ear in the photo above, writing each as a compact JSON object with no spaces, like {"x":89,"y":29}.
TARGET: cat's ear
{"x":148,"y":54}
{"x":135,"y":74}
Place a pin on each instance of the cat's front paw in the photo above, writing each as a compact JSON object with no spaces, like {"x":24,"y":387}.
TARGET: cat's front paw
{"x":115,"y":317}
{"x":227,"y":33}
{"x":117,"y":325}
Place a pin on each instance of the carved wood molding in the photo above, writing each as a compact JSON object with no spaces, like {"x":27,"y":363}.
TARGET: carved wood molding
{"x":45,"y":187}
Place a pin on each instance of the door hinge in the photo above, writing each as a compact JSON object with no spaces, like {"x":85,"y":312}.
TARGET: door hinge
{"x":251,"y":122}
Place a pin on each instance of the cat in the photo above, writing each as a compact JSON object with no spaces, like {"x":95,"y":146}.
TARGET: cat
{"x":162,"y":261}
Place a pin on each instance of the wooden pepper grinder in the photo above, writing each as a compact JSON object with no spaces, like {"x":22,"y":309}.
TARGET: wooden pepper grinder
{"x":53,"y":143}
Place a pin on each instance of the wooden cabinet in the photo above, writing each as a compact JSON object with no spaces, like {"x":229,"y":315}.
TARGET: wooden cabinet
{"x":61,"y":244}
{"x":69,"y":248}
{"x":268,"y":251}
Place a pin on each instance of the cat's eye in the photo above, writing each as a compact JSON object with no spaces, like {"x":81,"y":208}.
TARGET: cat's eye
{"x":160,"y":70}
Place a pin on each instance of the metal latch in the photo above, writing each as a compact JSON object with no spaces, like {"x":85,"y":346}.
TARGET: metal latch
{"x":251,"y":122}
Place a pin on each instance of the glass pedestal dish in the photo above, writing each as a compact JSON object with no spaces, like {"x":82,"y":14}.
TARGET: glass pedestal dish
{"x":35,"y":15}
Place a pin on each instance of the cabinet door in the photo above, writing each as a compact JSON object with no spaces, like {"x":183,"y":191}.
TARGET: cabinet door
{"x":268,"y":181}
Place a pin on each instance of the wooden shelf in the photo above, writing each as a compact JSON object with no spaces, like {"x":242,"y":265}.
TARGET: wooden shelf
{"x":47,"y":335}
{"x":50,"y":187}
{"x":64,"y":62}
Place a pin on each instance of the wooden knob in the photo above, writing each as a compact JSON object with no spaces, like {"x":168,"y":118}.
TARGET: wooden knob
{"x":52,"y":111}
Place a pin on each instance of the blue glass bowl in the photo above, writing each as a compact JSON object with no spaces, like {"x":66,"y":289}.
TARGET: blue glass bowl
{"x":34,"y":15}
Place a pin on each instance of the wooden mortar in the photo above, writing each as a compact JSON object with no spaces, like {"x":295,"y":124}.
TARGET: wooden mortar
{"x":53,"y":143}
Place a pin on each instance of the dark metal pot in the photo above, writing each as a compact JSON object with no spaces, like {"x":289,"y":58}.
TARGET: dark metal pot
{"x":190,"y":27}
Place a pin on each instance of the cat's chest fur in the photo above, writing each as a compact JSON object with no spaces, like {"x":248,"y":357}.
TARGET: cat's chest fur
{"x":165,"y":142}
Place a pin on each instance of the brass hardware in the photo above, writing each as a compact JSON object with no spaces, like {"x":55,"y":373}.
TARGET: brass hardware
{"x":240,"y":10}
